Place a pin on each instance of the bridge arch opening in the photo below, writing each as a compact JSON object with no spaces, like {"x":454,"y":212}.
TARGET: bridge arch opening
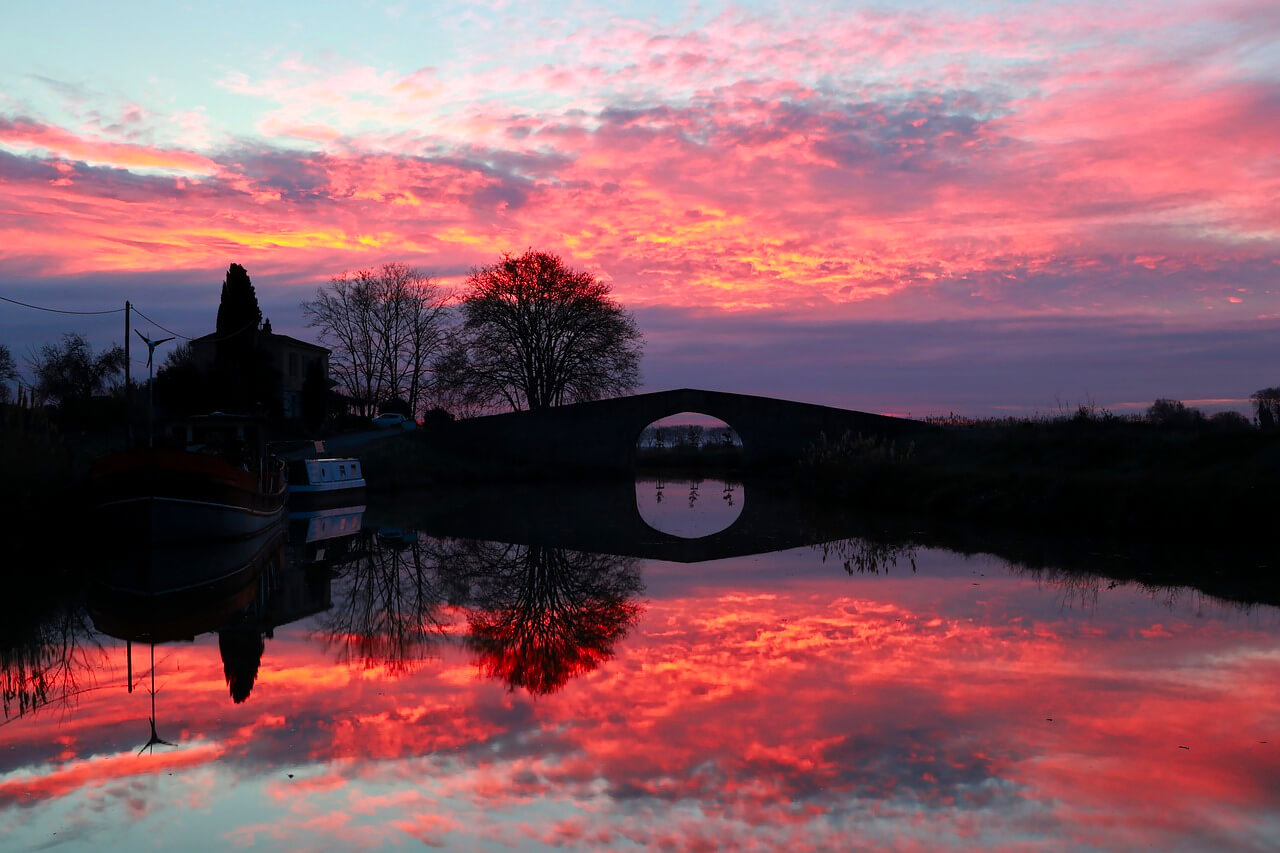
{"x":688,"y":440}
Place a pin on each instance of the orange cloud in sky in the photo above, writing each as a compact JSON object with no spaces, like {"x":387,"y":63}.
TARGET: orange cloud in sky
{"x":907,"y":164}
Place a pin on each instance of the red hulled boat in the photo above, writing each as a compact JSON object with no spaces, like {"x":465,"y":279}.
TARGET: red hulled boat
{"x":210,"y":480}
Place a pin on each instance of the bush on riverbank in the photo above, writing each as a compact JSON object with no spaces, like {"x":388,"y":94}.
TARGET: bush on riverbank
{"x":719,"y":457}
{"x":1088,"y":474}
{"x":410,"y":460}
{"x":35,"y":457}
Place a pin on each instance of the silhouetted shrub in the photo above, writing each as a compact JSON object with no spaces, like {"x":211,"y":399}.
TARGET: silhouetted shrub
{"x":351,"y":423}
{"x":1266,"y":402}
{"x":435,"y":418}
{"x":1173,"y":413}
{"x":857,"y":451}
{"x":1230,"y":421}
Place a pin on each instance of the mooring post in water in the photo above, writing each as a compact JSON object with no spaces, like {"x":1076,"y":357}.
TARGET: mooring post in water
{"x":128,"y":653}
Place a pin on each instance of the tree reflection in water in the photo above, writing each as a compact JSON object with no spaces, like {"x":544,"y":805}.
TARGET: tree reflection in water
{"x":241,"y":649}
{"x":541,"y":616}
{"x":387,"y":603}
{"x":867,"y":556}
{"x":536,"y":616}
{"x":44,"y":660}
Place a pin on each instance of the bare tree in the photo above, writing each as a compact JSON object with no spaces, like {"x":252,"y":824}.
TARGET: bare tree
{"x":385,"y":327}
{"x":537,"y":333}
{"x":49,"y":659}
{"x":343,"y":312}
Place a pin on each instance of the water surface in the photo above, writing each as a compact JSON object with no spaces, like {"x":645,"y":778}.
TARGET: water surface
{"x":407,"y":688}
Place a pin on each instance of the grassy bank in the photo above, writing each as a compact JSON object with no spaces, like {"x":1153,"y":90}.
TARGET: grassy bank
{"x":412,"y":460}
{"x":1104,"y":477}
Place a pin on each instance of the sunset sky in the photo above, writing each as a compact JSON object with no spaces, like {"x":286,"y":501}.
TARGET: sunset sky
{"x":902,"y":207}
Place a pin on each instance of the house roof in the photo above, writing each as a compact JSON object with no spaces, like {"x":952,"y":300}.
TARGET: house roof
{"x":284,"y":339}
{"x":295,"y":342}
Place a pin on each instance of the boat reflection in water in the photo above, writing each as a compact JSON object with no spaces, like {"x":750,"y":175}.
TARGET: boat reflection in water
{"x":533,"y":617}
{"x":174,"y":593}
{"x":240,"y":589}
{"x":324,"y":535}
{"x":178,"y":587}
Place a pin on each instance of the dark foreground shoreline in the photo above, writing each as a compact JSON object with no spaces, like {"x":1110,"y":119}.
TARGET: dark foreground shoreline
{"x":1129,"y":501}
{"x":1124,"y":501}
{"x":1068,"y":478}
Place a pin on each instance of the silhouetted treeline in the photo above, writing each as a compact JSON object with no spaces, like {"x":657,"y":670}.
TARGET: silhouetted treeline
{"x":1093,"y":473}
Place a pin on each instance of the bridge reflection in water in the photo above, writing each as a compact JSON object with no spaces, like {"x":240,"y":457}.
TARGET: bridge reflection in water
{"x":603,"y":518}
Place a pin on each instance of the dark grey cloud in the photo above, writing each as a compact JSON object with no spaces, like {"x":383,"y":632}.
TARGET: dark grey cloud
{"x":16,"y":168}
{"x":297,"y":176}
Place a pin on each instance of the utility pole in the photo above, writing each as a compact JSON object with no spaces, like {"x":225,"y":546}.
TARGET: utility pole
{"x":128,"y":385}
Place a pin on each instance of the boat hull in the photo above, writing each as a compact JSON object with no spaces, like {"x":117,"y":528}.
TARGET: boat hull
{"x":164,"y":520}
{"x":163,"y":497}
{"x":302,"y":499}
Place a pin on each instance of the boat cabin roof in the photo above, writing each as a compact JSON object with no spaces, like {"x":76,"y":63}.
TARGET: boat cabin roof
{"x":219,"y":431}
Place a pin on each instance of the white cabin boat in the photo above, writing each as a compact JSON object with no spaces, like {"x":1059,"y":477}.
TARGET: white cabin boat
{"x":335,"y":481}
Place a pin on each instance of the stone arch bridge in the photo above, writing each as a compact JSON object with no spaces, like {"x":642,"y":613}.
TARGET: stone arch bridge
{"x":601,"y":435}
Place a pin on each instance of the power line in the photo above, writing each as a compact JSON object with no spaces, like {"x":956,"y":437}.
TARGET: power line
{"x":59,"y":310}
{"x":154,"y":323}
{"x":135,"y":310}
{"x":185,"y":337}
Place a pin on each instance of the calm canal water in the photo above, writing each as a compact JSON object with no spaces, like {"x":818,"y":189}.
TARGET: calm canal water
{"x":376,"y":686}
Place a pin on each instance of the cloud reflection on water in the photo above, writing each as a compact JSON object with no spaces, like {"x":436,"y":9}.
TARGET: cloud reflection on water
{"x":765,"y":708}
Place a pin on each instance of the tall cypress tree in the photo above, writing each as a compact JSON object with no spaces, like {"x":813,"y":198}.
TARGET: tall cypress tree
{"x":237,"y":331}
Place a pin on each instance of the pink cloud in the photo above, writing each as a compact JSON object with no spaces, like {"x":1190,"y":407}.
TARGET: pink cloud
{"x":908,"y":165}
{"x":28,"y":134}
